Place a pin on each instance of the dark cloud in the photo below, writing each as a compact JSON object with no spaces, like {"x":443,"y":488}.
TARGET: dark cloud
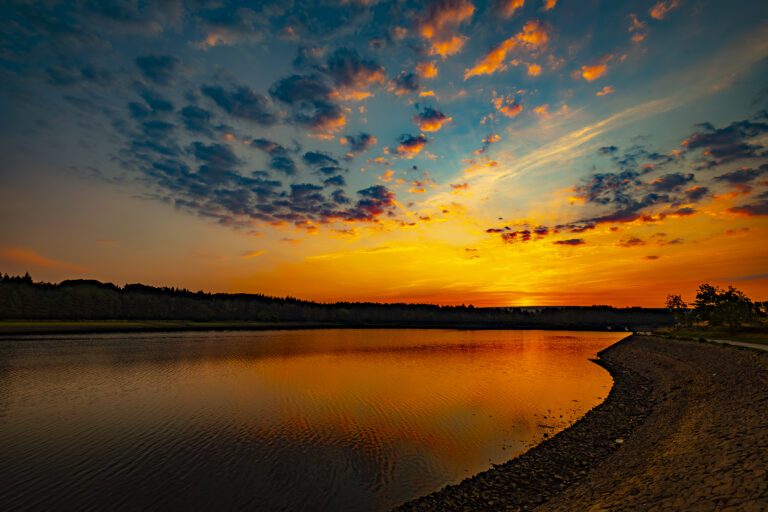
{"x":670,"y":182}
{"x":197,"y":120}
{"x":218,"y":156}
{"x":405,"y":83}
{"x":684,"y":212}
{"x":430,"y":120}
{"x":608,"y":150}
{"x":730,"y":143}
{"x":411,"y":144}
{"x":322,"y":163}
{"x":311,"y":100}
{"x":160,"y":69}
{"x":129,"y":16}
{"x":696,"y":193}
{"x":376,"y":201}
{"x":357,"y":144}
{"x":756,"y":209}
{"x":242,"y":102}
{"x":631,"y":242}
{"x":352,"y":73}
{"x":281,"y":160}
{"x":335,"y":181}
{"x":228,"y":26}
{"x":156,"y":102}
{"x":742,"y":176}
{"x":570,"y":241}
{"x":66,"y":75}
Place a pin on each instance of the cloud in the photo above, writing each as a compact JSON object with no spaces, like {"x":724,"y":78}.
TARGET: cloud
{"x":729,"y":143}
{"x":29,"y":260}
{"x":242,"y":102}
{"x":311,"y":100}
{"x":197,"y":120}
{"x":533,"y":37}
{"x":160,"y":69}
{"x":608,"y":89}
{"x":506,"y":8}
{"x":430,"y":120}
{"x":322,"y":163}
{"x":426,"y":69}
{"x":66,"y":75}
{"x":631,"y":242}
{"x":335,"y":181}
{"x":638,"y":29}
{"x":352,"y":75}
{"x":487,"y":142}
{"x":410,"y":145}
{"x":439,"y":25}
{"x":757,"y":209}
{"x":595,"y":71}
{"x":549,"y":4}
{"x":357,"y":144}
{"x":660,"y":9}
{"x":404,"y":83}
{"x":229,"y":26}
{"x":670,"y":182}
{"x":570,"y":241}
{"x":507,"y":106}
{"x":696,"y":193}
{"x":252,"y":254}
{"x":742,"y":176}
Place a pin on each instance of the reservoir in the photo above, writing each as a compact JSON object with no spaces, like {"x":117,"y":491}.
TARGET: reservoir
{"x":327,"y":419}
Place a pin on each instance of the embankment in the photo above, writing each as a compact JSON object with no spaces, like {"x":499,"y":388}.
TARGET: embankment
{"x":683,"y":428}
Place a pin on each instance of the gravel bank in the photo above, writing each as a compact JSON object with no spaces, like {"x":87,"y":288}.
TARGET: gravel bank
{"x":685,"y":427}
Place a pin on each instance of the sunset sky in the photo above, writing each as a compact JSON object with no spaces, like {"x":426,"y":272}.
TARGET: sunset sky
{"x":515,"y":152}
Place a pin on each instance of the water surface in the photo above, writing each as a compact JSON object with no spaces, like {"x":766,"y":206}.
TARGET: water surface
{"x":279,"y":420}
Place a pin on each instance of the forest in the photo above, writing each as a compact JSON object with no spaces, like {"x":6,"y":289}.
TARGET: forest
{"x":22,"y":298}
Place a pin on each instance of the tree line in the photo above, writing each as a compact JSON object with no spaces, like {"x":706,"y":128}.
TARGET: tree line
{"x":21,"y":298}
{"x":717,"y":307}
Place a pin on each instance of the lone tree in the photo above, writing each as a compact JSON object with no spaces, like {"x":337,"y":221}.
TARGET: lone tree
{"x":723,"y":307}
{"x":677,"y":306}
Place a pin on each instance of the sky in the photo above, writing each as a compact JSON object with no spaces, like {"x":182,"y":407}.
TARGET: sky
{"x":503,"y":153}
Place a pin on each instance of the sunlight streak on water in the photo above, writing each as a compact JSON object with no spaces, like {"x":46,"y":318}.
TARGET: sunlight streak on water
{"x":280,"y":420}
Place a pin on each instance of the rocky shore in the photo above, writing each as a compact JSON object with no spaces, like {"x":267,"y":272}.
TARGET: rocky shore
{"x":685,"y":427}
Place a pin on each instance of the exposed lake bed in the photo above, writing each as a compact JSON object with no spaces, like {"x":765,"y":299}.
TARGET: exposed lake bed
{"x":335,"y":419}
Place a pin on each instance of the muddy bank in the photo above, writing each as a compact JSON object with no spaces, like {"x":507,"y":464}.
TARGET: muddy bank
{"x":684,"y":428}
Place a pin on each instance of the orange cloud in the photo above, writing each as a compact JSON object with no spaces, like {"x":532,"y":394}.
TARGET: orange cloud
{"x":534,"y":69}
{"x":411,"y":146}
{"x":508,"y":7}
{"x":426,"y":69}
{"x":507,"y":106}
{"x":590,"y":73}
{"x":533,"y":36}
{"x":253,"y":254}
{"x":431,"y":120}
{"x":638,"y":28}
{"x":608,"y":89}
{"x":28,"y":260}
{"x":439,"y":25}
{"x":493,"y":61}
{"x":542,"y":110}
{"x":661,"y":9}
{"x":549,"y":4}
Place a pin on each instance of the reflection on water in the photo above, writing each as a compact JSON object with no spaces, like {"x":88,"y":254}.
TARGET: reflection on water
{"x":281,"y":420}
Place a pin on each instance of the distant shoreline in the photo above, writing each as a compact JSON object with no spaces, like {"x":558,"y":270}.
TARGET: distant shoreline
{"x":42,"y":327}
{"x":665,"y":436}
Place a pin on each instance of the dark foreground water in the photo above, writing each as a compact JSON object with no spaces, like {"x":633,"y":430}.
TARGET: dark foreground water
{"x":282,"y":420}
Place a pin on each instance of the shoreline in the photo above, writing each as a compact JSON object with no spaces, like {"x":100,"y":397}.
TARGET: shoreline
{"x":682,"y":429}
{"x":10,"y":328}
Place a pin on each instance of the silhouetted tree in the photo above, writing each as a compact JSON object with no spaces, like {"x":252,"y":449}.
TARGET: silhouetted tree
{"x":677,"y":306}
{"x":723,"y":307}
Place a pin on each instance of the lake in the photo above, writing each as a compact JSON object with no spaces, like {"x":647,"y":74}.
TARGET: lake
{"x":334,"y":419}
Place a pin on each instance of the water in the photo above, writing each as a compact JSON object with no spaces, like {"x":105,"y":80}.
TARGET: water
{"x":278,"y":420}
